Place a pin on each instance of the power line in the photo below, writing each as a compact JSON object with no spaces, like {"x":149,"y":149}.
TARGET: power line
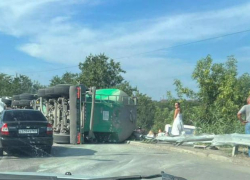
{"x":161,"y":49}
{"x":193,"y":42}
{"x":50,"y":70}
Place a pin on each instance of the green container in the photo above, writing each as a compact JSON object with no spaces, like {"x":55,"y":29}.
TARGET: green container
{"x":114,"y":115}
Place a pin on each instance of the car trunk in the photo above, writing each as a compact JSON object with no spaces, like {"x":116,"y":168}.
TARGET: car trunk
{"x":27,"y":128}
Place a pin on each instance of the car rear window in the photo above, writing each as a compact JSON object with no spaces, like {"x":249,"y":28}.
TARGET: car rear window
{"x":23,"y":116}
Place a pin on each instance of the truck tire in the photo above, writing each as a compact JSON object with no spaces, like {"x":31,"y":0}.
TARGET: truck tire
{"x":61,"y":138}
{"x":15,"y":97}
{"x":26,"y":96}
{"x":41,"y":93}
{"x":62,"y":90}
{"x":15,"y":103}
{"x":50,"y":93}
{"x":24,"y":103}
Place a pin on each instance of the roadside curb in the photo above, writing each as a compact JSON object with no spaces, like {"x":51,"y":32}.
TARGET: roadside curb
{"x":212,"y":156}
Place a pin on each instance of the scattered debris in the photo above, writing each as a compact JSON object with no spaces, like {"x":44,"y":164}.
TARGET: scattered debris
{"x":200,"y":146}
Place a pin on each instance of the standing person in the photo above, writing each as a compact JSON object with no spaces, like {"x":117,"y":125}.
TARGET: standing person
{"x":177,"y":128}
{"x":245,"y":110}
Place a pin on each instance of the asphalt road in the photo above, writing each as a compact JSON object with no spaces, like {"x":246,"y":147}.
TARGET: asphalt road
{"x":121,"y":160}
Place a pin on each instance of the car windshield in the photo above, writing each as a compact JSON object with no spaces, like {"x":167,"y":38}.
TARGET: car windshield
{"x":125,"y":87}
{"x":25,"y":115}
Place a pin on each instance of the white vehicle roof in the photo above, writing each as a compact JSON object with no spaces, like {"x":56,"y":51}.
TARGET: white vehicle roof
{"x":185,"y":126}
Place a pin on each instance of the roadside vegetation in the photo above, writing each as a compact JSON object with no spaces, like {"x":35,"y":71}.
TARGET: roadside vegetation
{"x":212,"y":107}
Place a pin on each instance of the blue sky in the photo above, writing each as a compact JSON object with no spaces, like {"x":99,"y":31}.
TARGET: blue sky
{"x":43,"y":35}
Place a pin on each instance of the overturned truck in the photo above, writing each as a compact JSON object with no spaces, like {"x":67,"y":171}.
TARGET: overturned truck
{"x":79,"y":114}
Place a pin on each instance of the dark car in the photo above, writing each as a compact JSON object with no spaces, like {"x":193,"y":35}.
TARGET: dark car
{"x":22,"y":128}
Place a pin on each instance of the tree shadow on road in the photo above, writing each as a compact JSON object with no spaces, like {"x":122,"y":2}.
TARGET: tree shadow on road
{"x":57,"y":151}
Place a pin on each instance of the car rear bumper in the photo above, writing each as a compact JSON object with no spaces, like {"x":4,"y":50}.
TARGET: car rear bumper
{"x":17,"y":142}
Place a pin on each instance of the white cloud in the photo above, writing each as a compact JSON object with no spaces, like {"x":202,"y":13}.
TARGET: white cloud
{"x":32,"y":49}
{"x":158,"y":75}
{"x":56,"y":38}
{"x":73,"y":42}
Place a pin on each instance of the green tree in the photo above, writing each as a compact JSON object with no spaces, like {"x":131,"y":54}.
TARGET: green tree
{"x":162,"y":117}
{"x":145,"y":111}
{"x":219,"y":97}
{"x":67,"y":78}
{"x":243,"y":88}
{"x":16,"y":85}
{"x":5,"y":85}
{"x":21,"y":84}
{"x":100,"y":71}
{"x":56,"y":80}
{"x":36,"y":86}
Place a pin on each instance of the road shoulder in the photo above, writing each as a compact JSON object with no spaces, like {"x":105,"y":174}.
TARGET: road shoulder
{"x":205,"y":153}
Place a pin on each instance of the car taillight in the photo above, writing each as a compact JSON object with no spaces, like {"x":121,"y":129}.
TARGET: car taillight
{"x":49,"y":129}
{"x":5,"y":129}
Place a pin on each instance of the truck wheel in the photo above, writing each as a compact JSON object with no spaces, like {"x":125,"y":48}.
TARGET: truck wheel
{"x":41,"y":93}
{"x":50,"y":93}
{"x":62,"y":89}
{"x":15,"y":97}
{"x":26,"y":96}
{"x":15,"y":103}
{"x":24,"y":103}
{"x":1,"y":151}
{"x":61,"y":138}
